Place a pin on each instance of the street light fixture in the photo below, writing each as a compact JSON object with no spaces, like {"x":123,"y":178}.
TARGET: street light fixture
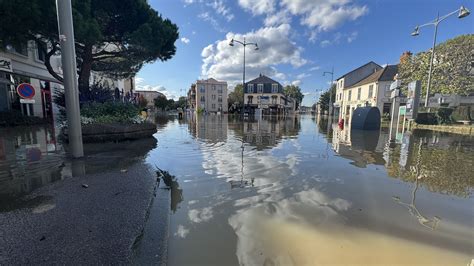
{"x":462,"y":12}
{"x":244,"y":44}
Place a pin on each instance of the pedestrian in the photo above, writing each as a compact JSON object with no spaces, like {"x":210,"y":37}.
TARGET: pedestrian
{"x":117,"y":93}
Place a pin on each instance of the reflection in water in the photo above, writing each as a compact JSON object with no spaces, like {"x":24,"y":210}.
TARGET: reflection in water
{"x":32,"y":157}
{"x":295,"y":207}
{"x":29,"y":158}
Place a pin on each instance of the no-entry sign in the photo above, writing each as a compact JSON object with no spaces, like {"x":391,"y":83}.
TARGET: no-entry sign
{"x":25,"y":90}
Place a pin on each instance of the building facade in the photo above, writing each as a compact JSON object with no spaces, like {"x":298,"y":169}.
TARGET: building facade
{"x":265,"y":96}
{"x":24,"y":63}
{"x":373,"y":90}
{"x":349,"y":79}
{"x":192,"y":97}
{"x":211,"y":95}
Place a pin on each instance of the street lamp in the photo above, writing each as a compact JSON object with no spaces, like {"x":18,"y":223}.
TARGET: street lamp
{"x":462,"y":12}
{"x":244,"y":44}
{"x":330,"y":89}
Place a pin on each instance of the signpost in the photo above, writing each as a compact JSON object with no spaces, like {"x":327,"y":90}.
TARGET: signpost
{"x":395,"y":92}
{"x":413,"y":100}
{"x":25,"y":91}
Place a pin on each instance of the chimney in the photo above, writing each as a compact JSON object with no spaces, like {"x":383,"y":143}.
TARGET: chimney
{"x":260,"y":74}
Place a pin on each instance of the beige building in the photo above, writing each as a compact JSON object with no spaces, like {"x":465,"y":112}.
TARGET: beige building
{"x":348,"y":80}
{"x":373,"y":90}
{"x":150,"y":96}
{"x":211,"y":95}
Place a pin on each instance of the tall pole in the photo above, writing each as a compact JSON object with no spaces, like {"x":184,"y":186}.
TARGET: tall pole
{"x":330,"y":92}
{"x":243,"y":84}
{"x":68,"y":57}
{"x":431,"y":61}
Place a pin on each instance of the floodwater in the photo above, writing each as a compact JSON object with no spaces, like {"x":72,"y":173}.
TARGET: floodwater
{"x":293,"y":191}
{"x":302,"y":192}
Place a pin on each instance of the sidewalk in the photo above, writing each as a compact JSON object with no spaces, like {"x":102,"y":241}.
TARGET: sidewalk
{"x":68,"y":223}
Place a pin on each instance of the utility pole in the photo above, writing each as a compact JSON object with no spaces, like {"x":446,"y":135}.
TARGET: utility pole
{"x":330,"y":89}
{"x":68,"y":58}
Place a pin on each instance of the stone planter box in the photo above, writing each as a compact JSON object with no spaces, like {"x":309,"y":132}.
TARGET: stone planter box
{"x":115,"y":132}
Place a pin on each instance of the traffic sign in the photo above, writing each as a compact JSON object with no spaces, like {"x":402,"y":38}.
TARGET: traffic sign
{"x":25,"y":91}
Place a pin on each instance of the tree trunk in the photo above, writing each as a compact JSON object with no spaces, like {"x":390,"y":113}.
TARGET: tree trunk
{"x":47,"y":62}
{"x":85,"y":68}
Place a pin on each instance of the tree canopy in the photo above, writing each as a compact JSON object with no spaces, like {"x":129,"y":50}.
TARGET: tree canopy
{"x":114,"y":38}
{"x":294,"y":92}
{"x":452,"y":67}
{"x":236,"y":97}
{"x":324,"y":98}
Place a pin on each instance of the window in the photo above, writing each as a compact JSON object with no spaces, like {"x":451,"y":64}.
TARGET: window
{"x":202,"y":89}
{"x":249,"y":99}
{"x":274,"y":88}
{"x":213,"y":106}
{"x":349,"y":96}
{"x":274,"y":99}
{"x":259,"y":88}
{"x":203,"y":99}
{"x":219,"y":89}
{"x":359,"y":90}
{"x":213,"y":96}
{"x":213,"y":87}
{"x":21,"y":49}
{"x":219,"y":99}
{"x":340,"y":96}
{"x":371,"y":91}
{"x":249,"y":88}
{"x":40,"y":51}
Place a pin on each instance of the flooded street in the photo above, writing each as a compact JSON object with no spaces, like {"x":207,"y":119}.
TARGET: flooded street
{"x":301,"y":192}
{"x":293,"y":191}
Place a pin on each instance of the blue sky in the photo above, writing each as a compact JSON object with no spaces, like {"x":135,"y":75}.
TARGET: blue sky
{"x":298,"y":39}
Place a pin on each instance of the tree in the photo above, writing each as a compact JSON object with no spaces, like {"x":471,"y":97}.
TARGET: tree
{"x":181,"y":103}
{"x":114,"y":38}
{"x":236,"y":97}
{"x":452,"y":67}
{"x":324,"y":98}
{"x":161,"y":102}
{"x":295,"y":93}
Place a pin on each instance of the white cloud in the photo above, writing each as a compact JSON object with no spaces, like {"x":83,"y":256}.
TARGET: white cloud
{"x":276,"y":19}
{"x":315,"y":68}
{"x":352,"y":36}
{"x":224,"y":62}
{"x":221,"y":9}
{"x":325,"y":43}
{"x":141,"y":85}
{"x":185,"y":40}
{"x":324,"y":15}
{"x":296,"y":82}
{"x":206,"y":16}
{"x":303,"y":75}
{"x":258,"y":7}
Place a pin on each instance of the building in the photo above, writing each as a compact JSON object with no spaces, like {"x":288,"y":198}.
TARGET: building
{"x":264,"y":95}
{"x":25,"y":64}
{"x":149,"y":96}
{"x":349,"y":79}
{"x":373,"y":90}
{"x":192,"y":97}
{"x":211,"y":95}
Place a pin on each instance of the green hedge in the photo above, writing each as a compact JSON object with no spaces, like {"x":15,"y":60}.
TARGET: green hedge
{"x":16,"y":118}
{"x":110,"y":112}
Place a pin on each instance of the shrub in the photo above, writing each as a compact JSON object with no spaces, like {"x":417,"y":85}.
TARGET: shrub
{"x":427,"y":119}
{"x":110,"y":112}
{"x":461,"y":113}
{"x":444,"y":115}
{"x":16,"y":118}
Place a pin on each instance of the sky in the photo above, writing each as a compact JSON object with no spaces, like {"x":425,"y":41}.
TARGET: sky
{"x":298,"y":40}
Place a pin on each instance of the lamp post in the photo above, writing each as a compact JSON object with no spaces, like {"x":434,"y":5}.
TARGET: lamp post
{"x":68,"y":58}
{"x":244,"y":44}
{"x":462,"y":12}
{"x":330,"y":89}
